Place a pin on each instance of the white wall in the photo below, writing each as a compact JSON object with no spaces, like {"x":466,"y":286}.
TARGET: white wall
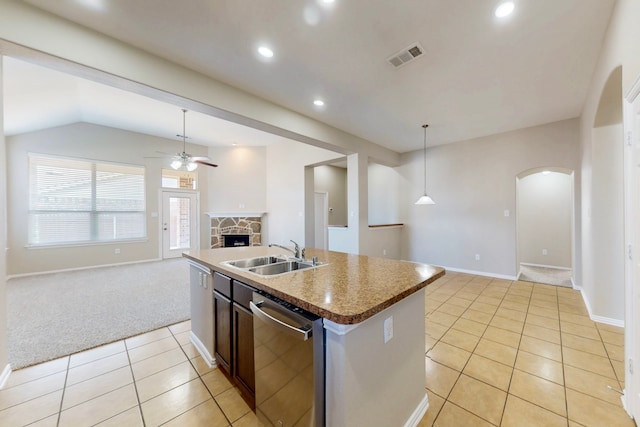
{"x":545,"y":219}
{"x":4,"y":352}
{"x":86,"y":141}
{"x":333,"y":181}
{"x":473,"y":183}
{"x":384,"y":195}
{"x":286,"y":179}
{"x":604,"y":282}
{"x":619,"y":50}
{"x":238,"y":183}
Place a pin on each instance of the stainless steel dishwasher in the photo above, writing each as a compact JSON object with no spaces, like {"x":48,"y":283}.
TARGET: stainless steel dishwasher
{"x":289,"y":362}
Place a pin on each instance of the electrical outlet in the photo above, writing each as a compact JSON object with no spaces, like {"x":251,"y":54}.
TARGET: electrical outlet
{"x":388,"y":329}
{"x":117,"y":251}
{"x":545,"y":252}
{"x":506,"y":212}
{"x":384,"y":252}
{"x":477,"y":257}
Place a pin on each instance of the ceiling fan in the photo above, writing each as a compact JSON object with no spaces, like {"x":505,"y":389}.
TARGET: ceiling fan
{"x":184,"y":160}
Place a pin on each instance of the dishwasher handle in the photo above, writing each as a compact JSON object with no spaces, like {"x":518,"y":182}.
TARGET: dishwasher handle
{"x":302,"y":334}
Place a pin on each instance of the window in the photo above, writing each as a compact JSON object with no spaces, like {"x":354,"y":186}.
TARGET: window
{"x":74,"y":201}
{"x":179,"y":179}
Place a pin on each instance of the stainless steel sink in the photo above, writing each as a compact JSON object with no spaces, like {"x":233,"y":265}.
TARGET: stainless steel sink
{"x":254,"y":262}
{"x":281,"y":267}
{"x":272,"y":265}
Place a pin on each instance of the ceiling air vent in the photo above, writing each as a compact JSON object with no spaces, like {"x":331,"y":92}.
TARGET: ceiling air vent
{"x":406,"y":55}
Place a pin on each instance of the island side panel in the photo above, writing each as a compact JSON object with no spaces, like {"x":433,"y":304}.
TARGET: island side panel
{"x":370,"y":382}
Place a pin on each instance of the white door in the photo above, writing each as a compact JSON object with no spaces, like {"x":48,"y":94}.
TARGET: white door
{"x":321,"y":206}
{"x":632,"y":294}
{"x":179,"y":223}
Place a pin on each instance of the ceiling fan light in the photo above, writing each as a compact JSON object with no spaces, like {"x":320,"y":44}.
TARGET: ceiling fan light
{"x":191,"y":166}
{"x":425,"y":200}
{"x":176,"y":164}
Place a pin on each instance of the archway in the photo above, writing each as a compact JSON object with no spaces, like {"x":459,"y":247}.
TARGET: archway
{"x":544,"y":218}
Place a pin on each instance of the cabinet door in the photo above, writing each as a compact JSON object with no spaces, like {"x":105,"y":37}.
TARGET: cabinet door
{"x":222,"y":312}
{"x":244,"y":370}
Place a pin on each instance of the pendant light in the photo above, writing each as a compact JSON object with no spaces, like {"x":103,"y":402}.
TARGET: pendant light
{"x":425,"y":199}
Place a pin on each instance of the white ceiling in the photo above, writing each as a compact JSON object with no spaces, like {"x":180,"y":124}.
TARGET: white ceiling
{"x":479,"y":75}
{"x":37,"y":98}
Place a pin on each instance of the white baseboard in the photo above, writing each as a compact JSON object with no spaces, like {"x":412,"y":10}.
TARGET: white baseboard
{"x":419,"y":412}
{"x":209,"y":359}
{"x":5,"y":375}
{"x":599,"y":319}
{"x":481,"y":273}
{"x":64,"y":270}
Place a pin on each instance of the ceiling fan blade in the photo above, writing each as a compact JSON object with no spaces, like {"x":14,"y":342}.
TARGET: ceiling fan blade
{"x":166,"y":154}
{"x":194,"y":158}
{"x":204,"y":163}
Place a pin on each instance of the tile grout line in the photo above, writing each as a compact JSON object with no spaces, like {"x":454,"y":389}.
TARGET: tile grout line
{"x":202,"y":381}
{"x":513,"y":368}
{"x":64,"y":388}
{"x":465,"y":365}
{"x":564,"y":375}
{"x":135,"y":385}
{"x":446,"y":398}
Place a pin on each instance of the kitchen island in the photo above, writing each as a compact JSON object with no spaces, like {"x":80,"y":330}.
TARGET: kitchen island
{"x":372,"y":311}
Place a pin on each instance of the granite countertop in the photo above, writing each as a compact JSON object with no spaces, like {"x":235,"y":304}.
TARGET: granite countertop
{"x":348,"y":290}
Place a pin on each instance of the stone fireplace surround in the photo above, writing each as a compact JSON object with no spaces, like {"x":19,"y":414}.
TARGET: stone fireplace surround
{"x":235,"y":223}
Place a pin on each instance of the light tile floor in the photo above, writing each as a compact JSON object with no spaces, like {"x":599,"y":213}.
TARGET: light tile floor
{"x":153,"y":379}
{"x":499,"y":353}
{"x":512,"y":353}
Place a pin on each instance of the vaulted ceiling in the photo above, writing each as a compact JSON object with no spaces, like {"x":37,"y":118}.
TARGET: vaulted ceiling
{"x":478,"y":74}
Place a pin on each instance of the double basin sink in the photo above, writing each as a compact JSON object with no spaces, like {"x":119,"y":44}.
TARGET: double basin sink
{"x":271,"y":265}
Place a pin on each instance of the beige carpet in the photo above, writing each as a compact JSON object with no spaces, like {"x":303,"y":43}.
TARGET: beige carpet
{"x":549,"y":276}
{"x":53,"y":315}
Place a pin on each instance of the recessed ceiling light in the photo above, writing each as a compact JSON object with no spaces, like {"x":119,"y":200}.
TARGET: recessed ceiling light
{"x":265,"y":51}
{"x":318,"y":103}
{"x":504,"y":9}
{"x":328,"y":1}
{"x":97,"y":5}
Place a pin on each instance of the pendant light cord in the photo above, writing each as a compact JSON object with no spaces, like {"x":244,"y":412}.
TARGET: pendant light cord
{"x":425,"y":157}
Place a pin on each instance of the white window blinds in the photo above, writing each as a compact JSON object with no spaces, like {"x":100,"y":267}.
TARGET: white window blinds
{"x":82,"y":201}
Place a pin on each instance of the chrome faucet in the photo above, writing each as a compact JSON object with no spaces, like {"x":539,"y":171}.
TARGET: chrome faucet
{"x":297,"y":252}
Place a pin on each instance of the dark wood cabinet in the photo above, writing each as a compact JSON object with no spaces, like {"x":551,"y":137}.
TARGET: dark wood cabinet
{"x":223,"y":316}
{"x":244,"y":369}
{"x":233,"y":342}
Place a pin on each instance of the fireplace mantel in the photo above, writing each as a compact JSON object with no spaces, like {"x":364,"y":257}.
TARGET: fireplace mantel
{"x":235,"y":214}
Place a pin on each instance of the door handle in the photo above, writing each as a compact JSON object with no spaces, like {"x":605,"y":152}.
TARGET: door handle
{"x":164,"y":226}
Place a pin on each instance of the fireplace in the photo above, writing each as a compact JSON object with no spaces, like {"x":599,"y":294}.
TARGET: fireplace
{"x":233,"y":240}
{"x":231,"y":230}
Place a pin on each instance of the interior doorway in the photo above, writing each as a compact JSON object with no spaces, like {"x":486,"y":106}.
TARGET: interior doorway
{"x":179,"y":222}
{"x":544,"y":217}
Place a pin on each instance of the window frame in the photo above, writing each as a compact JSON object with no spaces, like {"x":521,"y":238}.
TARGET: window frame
{"x":94,"y":213}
